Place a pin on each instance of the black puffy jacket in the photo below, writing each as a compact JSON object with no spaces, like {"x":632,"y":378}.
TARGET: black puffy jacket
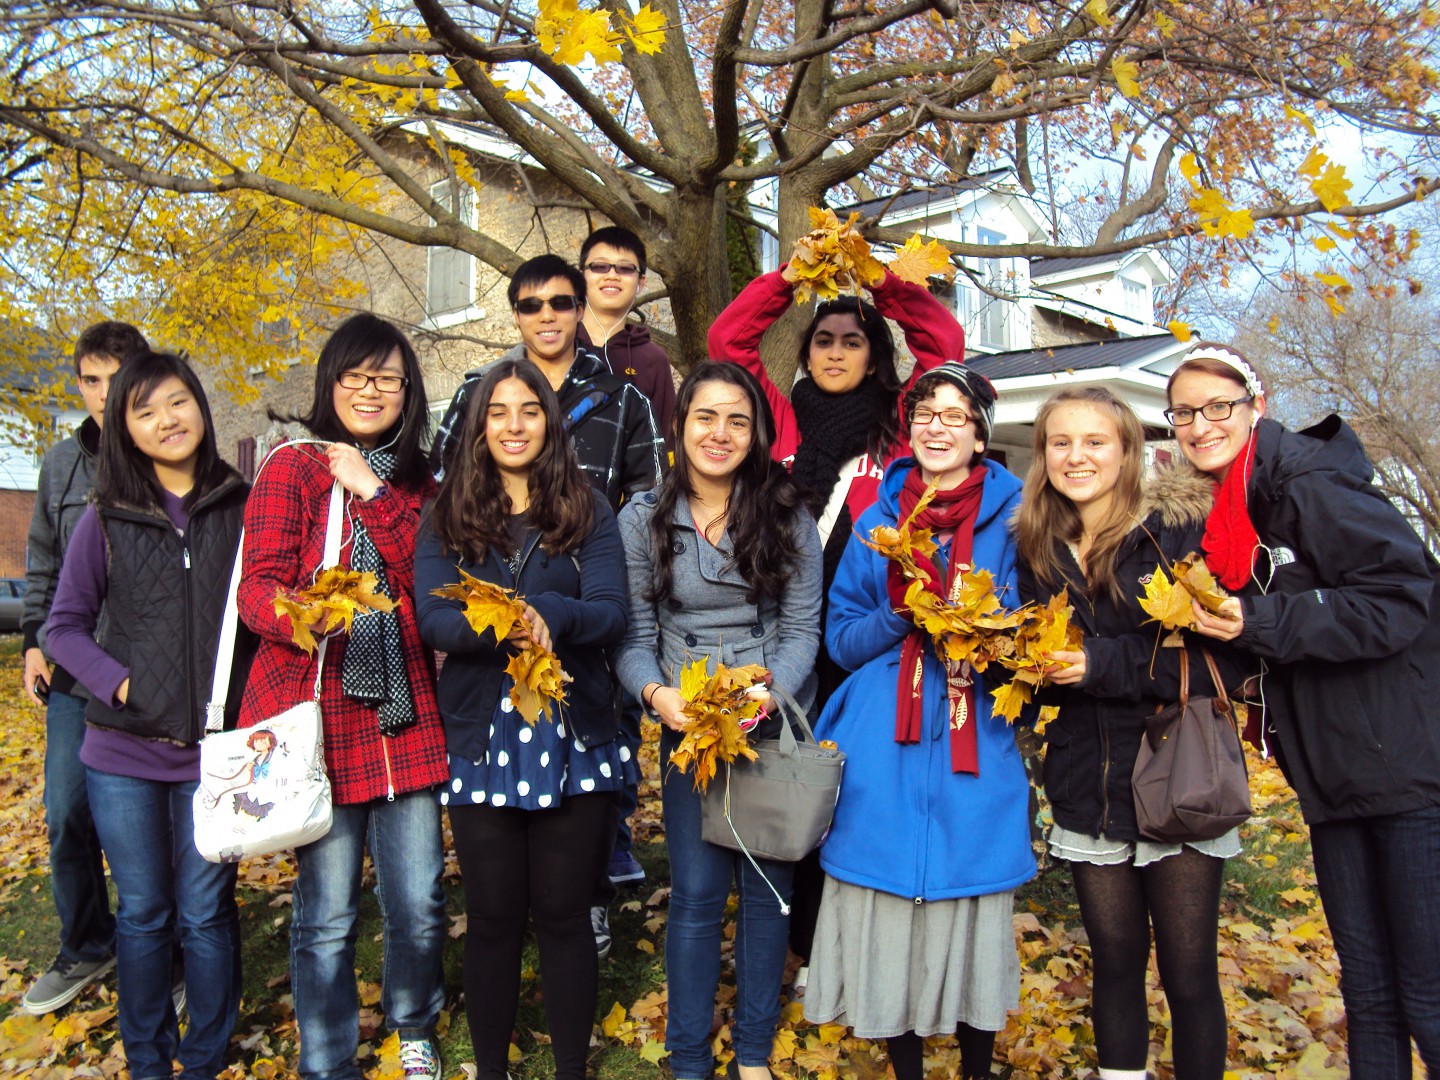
{"x":1092,"y":744}
{"x":1349,"y":623}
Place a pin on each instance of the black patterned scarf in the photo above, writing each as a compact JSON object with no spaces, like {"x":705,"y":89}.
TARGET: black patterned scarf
{"x":834,"y":428}
{"x":374,"y":671}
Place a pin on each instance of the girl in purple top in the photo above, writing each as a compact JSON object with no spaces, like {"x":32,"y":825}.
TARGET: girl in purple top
{"x":136,"y":618}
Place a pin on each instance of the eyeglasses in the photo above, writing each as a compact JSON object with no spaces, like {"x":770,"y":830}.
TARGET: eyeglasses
{"x":1216,"y":410}
{"x":386,"y":384}
{"x":533,"y":305}
{"x":951,"y":418}
{"x":623,"y":269}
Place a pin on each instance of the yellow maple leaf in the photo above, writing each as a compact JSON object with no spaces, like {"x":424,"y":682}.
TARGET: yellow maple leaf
{"x":1323,"y":243}
{"x":654,"y":1051}
{"x":1165,"y":24}
{"x":1047,"y":714}
{"x":1331,"y":187}
{"x":487,"y":606}
{"x":1127,"y":76}
{"x":1099,"y":11}
{"x":1292,"y":113}
{"x":612,"y":1021}
{"x":1335,"y":281}
{"x":1181,"y":330}
{"x":330,"y":603}
{"x":1166,"y":603}
{"x":1011,"y":698}
{"x":1314,"y":163}
{"x":538,"y":682}
{"x":1190,"y":168}
{"x":646,"y":30}
{"x":715,"y":705}
{"x":917,"y":261}
{"x":1195,"y":578}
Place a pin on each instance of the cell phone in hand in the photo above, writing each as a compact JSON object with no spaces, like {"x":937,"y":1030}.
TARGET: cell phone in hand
{"x":42,"y":689}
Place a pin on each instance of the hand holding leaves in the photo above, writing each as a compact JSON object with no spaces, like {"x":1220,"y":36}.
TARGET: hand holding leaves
{"x":330,"y":604}
{"x":717,"y":704}
{"x":1168,"y":602}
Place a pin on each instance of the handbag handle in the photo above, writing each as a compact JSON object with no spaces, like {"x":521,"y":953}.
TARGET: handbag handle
{"x":788,"y":743}
{"x":1222,"y":698}
{"x":229,"y":624}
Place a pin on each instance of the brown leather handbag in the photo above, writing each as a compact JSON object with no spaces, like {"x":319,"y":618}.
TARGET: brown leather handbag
{"x":1190,"y":780}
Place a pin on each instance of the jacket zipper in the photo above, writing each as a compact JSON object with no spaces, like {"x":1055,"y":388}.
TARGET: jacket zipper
{"x":195,"y":711}
{"x":389,"y":776}
{"x":1104,"y":777}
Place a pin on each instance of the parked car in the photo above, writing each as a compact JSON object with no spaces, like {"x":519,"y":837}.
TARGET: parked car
{"x":12,"y":599}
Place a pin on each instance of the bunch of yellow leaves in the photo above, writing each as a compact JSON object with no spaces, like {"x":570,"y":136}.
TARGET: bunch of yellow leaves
{"x":972,"y":625}
{"x":538,"y":680}
{"x":1168,"y":602}
{"x":1046,"y":629}
{"x":330,"y":603}
{"x":900,"y":542}
{"x":832,"y":256}
{"x":716,"y":705}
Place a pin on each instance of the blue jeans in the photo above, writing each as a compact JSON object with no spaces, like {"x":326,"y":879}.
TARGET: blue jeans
{"x":1379,"y":880}
{"x":405,"y":846}
{"x":77,"y":874}
{"x":167,"y":891}
{"x":700,"y":878}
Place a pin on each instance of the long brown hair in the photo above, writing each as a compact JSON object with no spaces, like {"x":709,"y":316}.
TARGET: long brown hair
{"x":472,"y":512}
{"x":1047,"y":518}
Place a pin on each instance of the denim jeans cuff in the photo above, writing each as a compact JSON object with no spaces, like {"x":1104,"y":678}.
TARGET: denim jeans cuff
{"x":407,"y":1034}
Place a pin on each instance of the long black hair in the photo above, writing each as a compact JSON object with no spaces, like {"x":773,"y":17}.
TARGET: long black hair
{"x":365,"y":342}
{"x":763,"y":506}
{"x":471,"y":514}
{"x":887,"y":434}
{"x":125,"y":474}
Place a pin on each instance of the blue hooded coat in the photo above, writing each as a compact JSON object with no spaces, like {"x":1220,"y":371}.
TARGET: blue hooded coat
{"x":906,"y":824}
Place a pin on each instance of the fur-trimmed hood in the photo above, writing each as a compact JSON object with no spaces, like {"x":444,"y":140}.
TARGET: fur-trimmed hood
{"x":1180,"y":493}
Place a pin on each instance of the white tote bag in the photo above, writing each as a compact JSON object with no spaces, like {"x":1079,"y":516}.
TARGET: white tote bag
{"x":263,"y":789}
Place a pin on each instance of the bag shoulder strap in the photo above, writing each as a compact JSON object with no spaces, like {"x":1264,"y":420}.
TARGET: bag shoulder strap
{"x":229,"y":625}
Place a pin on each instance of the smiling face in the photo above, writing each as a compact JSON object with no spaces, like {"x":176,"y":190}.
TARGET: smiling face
{"x":1213,"y":445}
{"x":514,"y":427}
{"x":1083,"y":455}
{"x":549,"y":335}
{"x":717,"y":432}
{"x":368,"y":413}
{"x":839,"y":356}
{"x":611,"y":293}
{"x":944,"y":453}
{"x":167,"y":426}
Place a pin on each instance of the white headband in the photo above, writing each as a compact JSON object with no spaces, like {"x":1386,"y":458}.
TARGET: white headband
{"x":1241,"y":367}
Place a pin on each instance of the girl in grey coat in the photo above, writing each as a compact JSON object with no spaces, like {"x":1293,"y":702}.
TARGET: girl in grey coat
{"x":724,"y":563}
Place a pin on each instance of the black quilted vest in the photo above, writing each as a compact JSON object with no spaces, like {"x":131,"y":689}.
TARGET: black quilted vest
{"x":166,"y":598}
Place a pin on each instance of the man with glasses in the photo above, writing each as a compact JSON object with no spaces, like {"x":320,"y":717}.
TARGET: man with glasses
{"x":613,"y":259}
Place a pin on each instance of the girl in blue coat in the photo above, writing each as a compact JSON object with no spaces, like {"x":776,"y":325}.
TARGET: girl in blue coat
{"x":529,"y":804}
{"x":931,"y":836}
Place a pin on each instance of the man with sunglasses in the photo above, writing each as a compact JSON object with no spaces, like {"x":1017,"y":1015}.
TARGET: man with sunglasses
{"x":613,"y":259}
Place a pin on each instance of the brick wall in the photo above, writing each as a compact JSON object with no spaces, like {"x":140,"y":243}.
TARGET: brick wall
{"x":15,"y":510}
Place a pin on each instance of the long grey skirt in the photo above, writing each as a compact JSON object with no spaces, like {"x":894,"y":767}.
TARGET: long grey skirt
{"x":884,"y":965}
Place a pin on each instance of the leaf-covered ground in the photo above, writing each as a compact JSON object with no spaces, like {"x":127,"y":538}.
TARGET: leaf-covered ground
{"x":1277,"y":964}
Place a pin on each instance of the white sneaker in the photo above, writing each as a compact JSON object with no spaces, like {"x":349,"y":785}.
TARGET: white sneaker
{"x":419,"y":1059}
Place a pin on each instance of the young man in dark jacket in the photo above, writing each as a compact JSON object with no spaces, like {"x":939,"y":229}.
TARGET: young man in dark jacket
{"x":77,"y":877}
{"x":613,"y":259}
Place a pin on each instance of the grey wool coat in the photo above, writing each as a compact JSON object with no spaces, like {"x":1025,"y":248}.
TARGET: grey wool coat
{"x":707,"y":614}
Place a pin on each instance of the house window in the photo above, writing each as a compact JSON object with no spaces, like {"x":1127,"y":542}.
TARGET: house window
{"x":450,"y":278}
{"x":1136,"y":300}
{"x":987,"y":314}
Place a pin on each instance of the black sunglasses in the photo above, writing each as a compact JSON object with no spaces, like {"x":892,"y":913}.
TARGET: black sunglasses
{"x":533,"y":305}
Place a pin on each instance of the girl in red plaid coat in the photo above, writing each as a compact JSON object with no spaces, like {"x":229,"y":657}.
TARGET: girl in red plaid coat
{"x":384,"y":744}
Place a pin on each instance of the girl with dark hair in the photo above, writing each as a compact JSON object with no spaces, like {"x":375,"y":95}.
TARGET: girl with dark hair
{"x":724,"y":564}
{"x":384,"y":746}
{"x":931,"y":836}
{"x":1340,"y":601}
{"x":529,"y":804}
{"x":156,"y":549}
{"x":1085,"y":525}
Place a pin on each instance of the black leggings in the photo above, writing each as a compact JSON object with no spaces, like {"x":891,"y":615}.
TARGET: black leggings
{"x":1180,"y":896}
{"x":977,"y":1050}
{"x":541,"y":863}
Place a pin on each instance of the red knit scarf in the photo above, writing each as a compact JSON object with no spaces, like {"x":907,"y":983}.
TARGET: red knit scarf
{"x":1230,"y":539}
{"x":950,"y":511}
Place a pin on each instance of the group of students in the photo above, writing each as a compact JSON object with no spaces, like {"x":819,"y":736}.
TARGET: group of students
{"x":746,"y":550}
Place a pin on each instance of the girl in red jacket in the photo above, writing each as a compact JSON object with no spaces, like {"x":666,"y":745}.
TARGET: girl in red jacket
{"x":384,"y":744}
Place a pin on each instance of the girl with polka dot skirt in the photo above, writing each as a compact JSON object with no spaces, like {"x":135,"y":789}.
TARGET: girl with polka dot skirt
{"x":530,"y":805}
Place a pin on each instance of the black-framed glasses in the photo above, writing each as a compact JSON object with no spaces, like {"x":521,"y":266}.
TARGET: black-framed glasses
{"x":950,"y":418}
{"x":386,"y":384}
{"x":623,"y":269}
{"x":1214,"y":412}
{"x":533,"y":305}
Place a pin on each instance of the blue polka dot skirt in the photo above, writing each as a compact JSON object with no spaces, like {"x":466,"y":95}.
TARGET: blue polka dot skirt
{"x":533,"y":768}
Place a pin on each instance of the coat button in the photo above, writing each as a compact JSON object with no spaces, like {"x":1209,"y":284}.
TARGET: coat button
{"x":691,"y":640}
{"x":758,"y":630}
{"x":678,"y":547}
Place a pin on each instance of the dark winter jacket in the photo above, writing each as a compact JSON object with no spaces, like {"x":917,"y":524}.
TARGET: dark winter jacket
{"x":635,"y":358}
{"x":1093,"y":743}
{"x":582,"y":598}
{"x":610,"y":422}
{"x":67,"y":475}
{"x":1349,"y":623}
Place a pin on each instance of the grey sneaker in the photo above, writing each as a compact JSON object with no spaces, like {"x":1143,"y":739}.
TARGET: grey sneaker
{"x":419,"y":1059}
{"x":62,"y":984}
{"x":600,"y":924}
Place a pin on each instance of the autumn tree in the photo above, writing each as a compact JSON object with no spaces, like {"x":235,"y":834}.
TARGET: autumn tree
{"x":323,"y":121}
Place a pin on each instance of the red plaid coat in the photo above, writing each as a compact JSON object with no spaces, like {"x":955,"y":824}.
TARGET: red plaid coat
{"x":284,"y":544}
